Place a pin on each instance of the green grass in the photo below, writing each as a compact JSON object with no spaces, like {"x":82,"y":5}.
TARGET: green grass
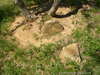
{"x":7,"y":9}
{"x":7,"y":12}
{"x":89,"y":38}
{"x":35,"y":60}
{"x":6,"y":45}
{"x":90,"y":35}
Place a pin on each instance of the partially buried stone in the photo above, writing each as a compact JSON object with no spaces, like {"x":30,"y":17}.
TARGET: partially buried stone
{"x":52,"y":28}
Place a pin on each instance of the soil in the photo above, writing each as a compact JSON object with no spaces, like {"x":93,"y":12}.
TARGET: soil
{"x":33,"y":33}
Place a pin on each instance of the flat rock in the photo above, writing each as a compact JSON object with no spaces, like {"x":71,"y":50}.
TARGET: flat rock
{"x":51,"y":28}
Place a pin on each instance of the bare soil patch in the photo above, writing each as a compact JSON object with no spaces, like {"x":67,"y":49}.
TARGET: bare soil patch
{"x":31,"y":34}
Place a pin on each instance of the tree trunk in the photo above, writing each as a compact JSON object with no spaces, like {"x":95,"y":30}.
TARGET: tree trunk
{"x":54,"y":7}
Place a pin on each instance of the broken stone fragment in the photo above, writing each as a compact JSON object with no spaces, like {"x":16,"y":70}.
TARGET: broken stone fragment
{"x":70,"y":53}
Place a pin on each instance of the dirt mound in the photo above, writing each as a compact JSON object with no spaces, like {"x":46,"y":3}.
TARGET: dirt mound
{"x":31,"y":34}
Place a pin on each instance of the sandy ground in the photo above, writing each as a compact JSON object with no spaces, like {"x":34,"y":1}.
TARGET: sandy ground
{"x":30,"y":33}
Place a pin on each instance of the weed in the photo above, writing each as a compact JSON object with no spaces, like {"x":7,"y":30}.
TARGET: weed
{"x":90,"y":41}
{"x":7,"y":13}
